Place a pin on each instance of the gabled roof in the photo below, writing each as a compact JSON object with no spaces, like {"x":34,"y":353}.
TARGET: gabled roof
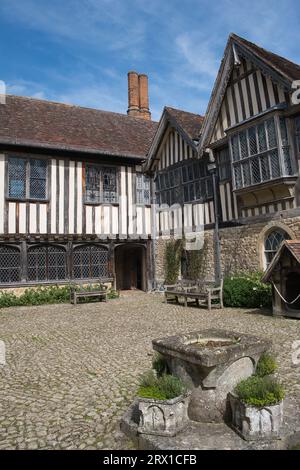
{"x":293,"y":246}
{"x":187,"y":124}
{"x":282,"y":70}
{"x":44,"y":124}
{"x":282,"y":65}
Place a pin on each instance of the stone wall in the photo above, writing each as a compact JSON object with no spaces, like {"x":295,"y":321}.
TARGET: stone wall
{"x":242,"y":247}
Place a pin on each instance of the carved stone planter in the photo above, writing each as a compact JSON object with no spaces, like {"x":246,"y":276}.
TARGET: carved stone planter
{"x":163,"y":417}
{"x":254,"y":423}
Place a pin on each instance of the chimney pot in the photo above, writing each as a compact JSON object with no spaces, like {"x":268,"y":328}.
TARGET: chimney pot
{"x":144,"y":96}
{"x":138,"y":98}
{"x":133,"y":94}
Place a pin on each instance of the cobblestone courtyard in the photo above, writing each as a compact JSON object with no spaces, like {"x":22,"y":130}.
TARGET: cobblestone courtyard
{"x":71,"y":371}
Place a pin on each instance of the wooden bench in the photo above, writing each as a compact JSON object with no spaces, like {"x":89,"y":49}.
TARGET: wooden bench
{"x":87,"y":289}
{"x":205,"y":293}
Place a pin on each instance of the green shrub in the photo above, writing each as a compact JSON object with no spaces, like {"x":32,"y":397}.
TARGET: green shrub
{"x":259,"y":391}
{"x":148,"y":379}
{"x":164,"y":387}
{"x":266,"y":365}
{"x":42,"y":296}
{"x":246,"y":290}
{"x":159,"y":364}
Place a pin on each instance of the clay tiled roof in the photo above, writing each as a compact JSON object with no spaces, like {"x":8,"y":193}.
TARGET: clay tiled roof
{"x":32,"y":122}
{"x":284,"y":66}
{"x":293,"y":246}
{"x":191,"y":123}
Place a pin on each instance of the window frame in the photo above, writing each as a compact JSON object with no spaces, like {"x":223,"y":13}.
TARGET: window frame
{"x":146,"y":202}
{"x":297,"y":134}
{"x":224,"y":168}
{"x":275,"y":230}
{"x":89,"y":247}
{"x":16,"y":249}
{"x":186,"y":179}
{"x":46,"y":246}
{"x":27,"y":160}
{"x":257,"y":157}
{"x":101,"y":169}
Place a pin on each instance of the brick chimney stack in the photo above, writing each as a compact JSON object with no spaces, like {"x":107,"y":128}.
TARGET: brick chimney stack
{"x":138,"y":98}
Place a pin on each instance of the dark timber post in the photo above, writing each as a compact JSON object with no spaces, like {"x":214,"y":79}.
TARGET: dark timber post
{"x":212,"y":169}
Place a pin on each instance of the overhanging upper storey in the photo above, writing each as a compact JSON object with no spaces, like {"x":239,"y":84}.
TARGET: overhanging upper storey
{"x":250,"y":82}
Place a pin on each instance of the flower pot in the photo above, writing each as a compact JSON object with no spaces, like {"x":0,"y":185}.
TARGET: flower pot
{"x":256,"y":423}
{"x":163,"y":417}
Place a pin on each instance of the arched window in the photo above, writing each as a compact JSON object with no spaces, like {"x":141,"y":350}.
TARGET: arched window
{"x":47,"y":263}
{"x":10,"y":265}
{"x":90,"y":262}
{"x":272,"y":243}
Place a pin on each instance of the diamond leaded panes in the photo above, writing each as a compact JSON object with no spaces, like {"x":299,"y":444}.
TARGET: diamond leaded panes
{"x":259,"y":146}
{"x":90,"y":262}
{"x":10,"y":264}
{"x":17,"y":178}
{"x":27,"y":178}
{"x":46,"y":263}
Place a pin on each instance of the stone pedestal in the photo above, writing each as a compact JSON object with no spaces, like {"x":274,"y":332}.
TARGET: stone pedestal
{"x":211,"y":363}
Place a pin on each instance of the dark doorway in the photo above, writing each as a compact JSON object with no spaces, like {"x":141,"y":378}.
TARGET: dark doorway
{"x":130,"y":267}
{"x":293,"y":290}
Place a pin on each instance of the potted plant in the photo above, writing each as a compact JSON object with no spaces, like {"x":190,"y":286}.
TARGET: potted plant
{"x":162,"y":401}
{"x":257,"y":403}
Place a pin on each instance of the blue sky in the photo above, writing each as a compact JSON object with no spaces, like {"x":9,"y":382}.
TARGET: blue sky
{"x":79,"y":51}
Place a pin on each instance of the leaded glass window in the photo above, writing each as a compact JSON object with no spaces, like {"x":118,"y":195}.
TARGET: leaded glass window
{"x":100,"y":185}
{"x":223,"y":159}
{"x":93,"y":184}
{"x":143,"y":188}
{"x":272,"y":243}
{"x":10,"y":265}
{"x":257,"y":156}
{"x":183,"y":184}
{"x":46,"y":263}
{"x":109,"y":185}
{"x":27,"y":178}
{"x":90,"y":262}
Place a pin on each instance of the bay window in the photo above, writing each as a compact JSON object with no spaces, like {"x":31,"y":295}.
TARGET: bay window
{"x":261,"y":153}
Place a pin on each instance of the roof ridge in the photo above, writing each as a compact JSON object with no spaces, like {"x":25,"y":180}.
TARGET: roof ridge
{"x":70,"y":105}
{"x":184,"y":111}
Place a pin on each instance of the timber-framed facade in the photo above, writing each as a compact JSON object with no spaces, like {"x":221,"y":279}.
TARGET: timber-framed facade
{"x":88,"y":194}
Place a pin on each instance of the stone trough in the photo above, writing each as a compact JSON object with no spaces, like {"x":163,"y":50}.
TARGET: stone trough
{"x":211,"y":363}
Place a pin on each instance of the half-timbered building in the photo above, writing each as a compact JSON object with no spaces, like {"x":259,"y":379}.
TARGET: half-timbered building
{"x":88,"y":194}
{"x":74,"y":203}
{"x":250,"y":133}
